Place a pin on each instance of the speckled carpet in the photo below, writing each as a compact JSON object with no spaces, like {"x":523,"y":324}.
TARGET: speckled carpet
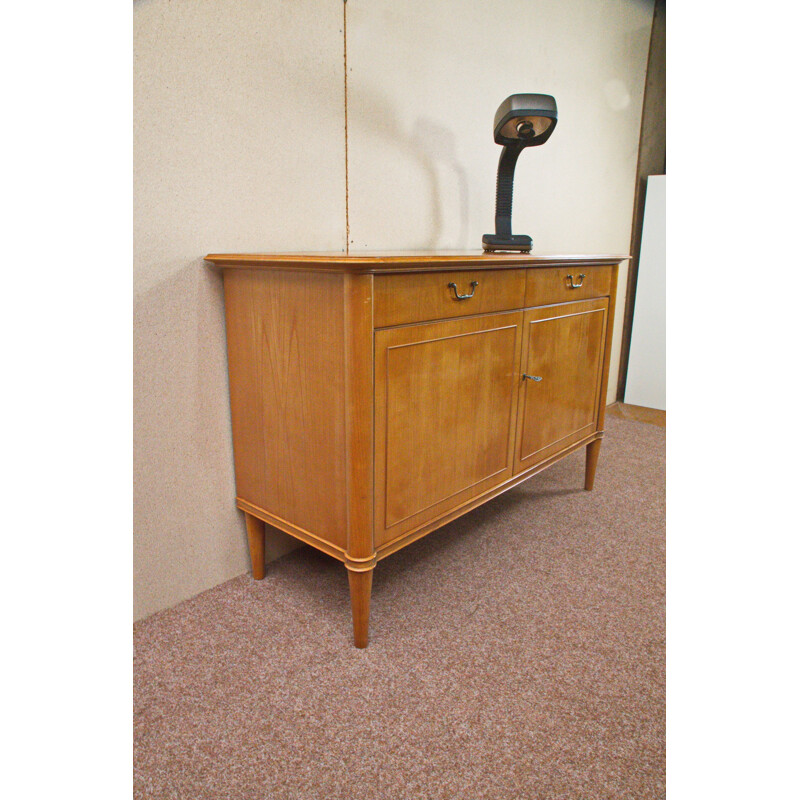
{"x":516,"y":653}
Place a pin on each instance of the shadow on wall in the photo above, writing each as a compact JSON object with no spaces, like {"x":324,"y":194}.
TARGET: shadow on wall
{"x":188,"y":534}
{"x":429,"y":144}
{"x":435,"y":141}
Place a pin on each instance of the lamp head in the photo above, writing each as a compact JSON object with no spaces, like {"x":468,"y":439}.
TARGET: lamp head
{"x":525,"y":120}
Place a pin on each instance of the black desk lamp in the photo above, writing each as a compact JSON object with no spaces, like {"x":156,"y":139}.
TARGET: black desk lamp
{"x":523,"y":120}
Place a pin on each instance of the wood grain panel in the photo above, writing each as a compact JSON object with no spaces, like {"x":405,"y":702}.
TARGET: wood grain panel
{"x":562,"y":345}
{"x":427,"y":296}
{"x":545,"y":286}
{"x":287,"y":384}
{"x":445,"y":408}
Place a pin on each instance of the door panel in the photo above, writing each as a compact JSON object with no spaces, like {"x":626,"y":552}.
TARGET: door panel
{"x":563,"y":347}
{"x":445,"y":412}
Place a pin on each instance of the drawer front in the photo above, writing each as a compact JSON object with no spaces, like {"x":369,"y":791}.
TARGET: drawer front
{"x":418,"y":297}
{"x":566,"y":284}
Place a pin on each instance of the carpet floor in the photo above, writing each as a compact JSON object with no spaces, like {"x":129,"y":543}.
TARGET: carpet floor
{"x":517,"y":652}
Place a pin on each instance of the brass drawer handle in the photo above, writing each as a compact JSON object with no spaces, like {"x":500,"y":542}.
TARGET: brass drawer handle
{"x":530,"y":377}
{"x":572,"y":284}
{"x":462,"y":296}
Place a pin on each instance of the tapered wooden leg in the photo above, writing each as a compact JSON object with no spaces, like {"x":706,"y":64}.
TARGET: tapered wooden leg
{"x":256,"y":534}
{"x":592,"y":454}
{"x":360,"y":591}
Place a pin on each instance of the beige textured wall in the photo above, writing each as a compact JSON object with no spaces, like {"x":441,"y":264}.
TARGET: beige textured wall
{"x":223,"y":93}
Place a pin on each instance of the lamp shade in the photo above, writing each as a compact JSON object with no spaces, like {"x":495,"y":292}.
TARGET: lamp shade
{"x":525,"y":120}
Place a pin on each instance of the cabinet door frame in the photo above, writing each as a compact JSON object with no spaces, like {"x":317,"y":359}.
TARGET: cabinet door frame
{"x":389,"y":338}
{"x":542,"y":314}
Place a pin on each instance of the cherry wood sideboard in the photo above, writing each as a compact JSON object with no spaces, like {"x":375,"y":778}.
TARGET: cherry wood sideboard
{"x":374,"y":398}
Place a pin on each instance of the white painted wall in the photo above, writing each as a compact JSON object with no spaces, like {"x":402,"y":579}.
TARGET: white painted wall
{"x":646,"y":381}
{"x":239,"y":146}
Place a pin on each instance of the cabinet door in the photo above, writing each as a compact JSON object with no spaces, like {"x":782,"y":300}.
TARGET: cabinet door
{"x":562,"y":353}
{"x":445,"y":413}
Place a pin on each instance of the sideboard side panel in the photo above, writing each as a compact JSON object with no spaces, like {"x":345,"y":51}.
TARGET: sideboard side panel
{"x":286,"y":348}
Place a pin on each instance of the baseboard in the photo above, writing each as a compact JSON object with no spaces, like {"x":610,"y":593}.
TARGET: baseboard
{"x":652,"y":416}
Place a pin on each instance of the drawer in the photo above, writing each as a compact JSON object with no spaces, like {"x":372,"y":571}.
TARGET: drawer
{"x":421,"y":296}
{"x":547,"y":286}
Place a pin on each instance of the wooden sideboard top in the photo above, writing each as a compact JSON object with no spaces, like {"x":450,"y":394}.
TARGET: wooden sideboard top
{"x":410,"y":261}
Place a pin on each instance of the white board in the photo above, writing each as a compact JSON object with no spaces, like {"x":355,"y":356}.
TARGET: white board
{"x":646,"y":383}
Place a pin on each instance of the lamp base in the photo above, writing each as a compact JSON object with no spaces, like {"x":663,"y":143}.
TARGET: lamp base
{"x":493,"y":243}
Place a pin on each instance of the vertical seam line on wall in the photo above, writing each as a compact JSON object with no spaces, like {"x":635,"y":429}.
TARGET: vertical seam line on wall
{"x":346,"y":164}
